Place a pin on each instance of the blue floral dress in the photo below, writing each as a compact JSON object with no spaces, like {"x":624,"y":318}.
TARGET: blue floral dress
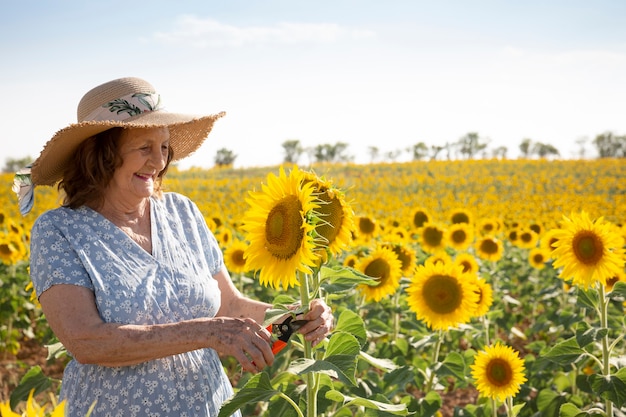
{"x":131,"y":286}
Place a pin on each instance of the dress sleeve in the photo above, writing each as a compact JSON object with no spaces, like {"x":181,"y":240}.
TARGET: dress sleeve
{"x":53,"y":260}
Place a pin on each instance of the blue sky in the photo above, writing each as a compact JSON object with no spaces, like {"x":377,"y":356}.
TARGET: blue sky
{"x":369,"y":73}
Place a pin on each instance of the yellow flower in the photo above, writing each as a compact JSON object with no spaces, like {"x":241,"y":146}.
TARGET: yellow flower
{"x":527,"y":238}
{"x":489,"y":226}
{"x":439,"y":256}
{"x":336,"y":218}
{"x":589,"y":251}
{"x":467,"y":262}
{"x":537,"y":257}
{"x":350,"y":260}
{"x":421,"y":216}
{"x":405,"y":255}
{"x":460,"y":236}
{"x":279,"y":230}
{"x":234,"y":257}
{"x":383,"y":265}
{"x":611,"y":281}
{"x":367,"y":228}
{"x":498,"y":372}
{"x":432,"y":237}
{"x":485,"y":297}
{"x":440,"y":296}
{"x":489,"y":248}
{"x":547,"y":242}
{"x":461,"y":216}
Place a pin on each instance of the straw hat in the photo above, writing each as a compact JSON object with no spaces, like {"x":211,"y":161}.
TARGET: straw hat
{"x":125,"y":102}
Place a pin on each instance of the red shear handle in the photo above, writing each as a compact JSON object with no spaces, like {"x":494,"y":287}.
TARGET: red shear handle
{"x":278,"y":345}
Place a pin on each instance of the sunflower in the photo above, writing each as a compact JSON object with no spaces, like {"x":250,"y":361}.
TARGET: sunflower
{"x":279,"y":228}
{"x":420,"y":217}
{"x":489,"y":248}
{"x":405,"y":255}
{"x":440,"y":296}
{"x":489,"y":225}
{"x":611,"y":281}
{"x":526,"y":238}
{"x":538,"y":257}
{"x":459,"y":216}
{"x":467,"y":262}
{"x":224,"y":236}
{"x":547,"y":241}
{"x":336,"y":216}
{"x":350,"y":260}
{"x":459,"y":236}
{"x":589,"y":251}
{"x":366,"y":228}
{"x":498,"y":372}
{"x":485,"y":297}
{"x":234,"y":257}
{"x":439,"y":257}
{"x":432,"y":237}
{"x":383,"y":265}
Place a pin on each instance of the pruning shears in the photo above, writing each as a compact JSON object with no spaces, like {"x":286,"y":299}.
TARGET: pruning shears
{"x":283,"y":332}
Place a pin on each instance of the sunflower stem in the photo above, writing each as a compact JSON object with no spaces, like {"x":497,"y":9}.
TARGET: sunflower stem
{"x":494,"y":408}
{"x":311,"y":386}
{"x":606,"y":351}
{"x":431,"y":377}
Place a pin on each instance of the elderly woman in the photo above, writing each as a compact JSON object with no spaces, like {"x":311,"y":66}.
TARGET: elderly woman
{"x":131,"y":279}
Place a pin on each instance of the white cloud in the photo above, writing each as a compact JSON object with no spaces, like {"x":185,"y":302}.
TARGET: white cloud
{"x":202,"y":33}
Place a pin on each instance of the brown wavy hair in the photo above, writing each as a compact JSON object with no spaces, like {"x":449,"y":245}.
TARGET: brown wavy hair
{"x":88,"y":175}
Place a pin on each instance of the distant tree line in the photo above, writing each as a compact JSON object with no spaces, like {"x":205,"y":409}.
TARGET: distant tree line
{"x":469,"y":146}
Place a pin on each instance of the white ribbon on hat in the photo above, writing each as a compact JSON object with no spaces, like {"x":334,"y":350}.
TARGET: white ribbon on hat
{"x":126,"y":107}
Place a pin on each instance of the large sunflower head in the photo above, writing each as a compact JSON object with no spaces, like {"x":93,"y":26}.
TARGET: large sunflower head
{"x":336,"y":218}
{"x":440,"y":295}
{"x":489,"y":248}
{"x":433,"y":237}
{"x":279,"y":226}
{"x":460,"y":236}
{"x":234,"y":257}
{"x":383,"y":265}
{"x":498,"y":372}
{"x":589,"y":251}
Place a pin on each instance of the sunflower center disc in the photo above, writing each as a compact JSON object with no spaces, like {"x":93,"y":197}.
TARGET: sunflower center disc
{"x":443,"y":294}
{"x":588,"y":247}
{"x":499,"y":372}
{"x":283,"y":229}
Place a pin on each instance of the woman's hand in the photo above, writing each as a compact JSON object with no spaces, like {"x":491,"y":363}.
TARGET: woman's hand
{"x":320,"y":322}
{"x":245,"y":340}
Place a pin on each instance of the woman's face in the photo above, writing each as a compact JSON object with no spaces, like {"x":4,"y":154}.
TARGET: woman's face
{"x":144,"y":154}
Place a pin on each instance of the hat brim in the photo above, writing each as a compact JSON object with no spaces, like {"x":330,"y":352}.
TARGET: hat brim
{"x":187,"y":133}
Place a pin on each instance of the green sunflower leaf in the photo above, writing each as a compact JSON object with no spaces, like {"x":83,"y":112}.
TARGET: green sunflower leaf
{"x":565,"y":352}
{"x":257,"y":389}
{"x":619,"y":291}
{"x":549,"y":402}
{"x":349,"y":401}
{"x":588,"y":299}
{"x":570,"y":410}
{"x":585,"y":334}
{"x":612,"y":388}
{"x":351,"y":323}
{"x":343,"y":279}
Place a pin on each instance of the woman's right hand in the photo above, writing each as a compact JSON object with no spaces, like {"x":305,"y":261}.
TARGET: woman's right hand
{"x":244,"y":339}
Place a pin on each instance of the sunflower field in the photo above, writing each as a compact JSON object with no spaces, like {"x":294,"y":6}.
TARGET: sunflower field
{"x":459,"y":288}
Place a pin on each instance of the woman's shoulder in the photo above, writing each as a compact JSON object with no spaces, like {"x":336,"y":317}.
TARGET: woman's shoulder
{"x":61,"y":215}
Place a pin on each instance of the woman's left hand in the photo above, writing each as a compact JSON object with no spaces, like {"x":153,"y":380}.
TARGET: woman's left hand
{"x":320,"y":322}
